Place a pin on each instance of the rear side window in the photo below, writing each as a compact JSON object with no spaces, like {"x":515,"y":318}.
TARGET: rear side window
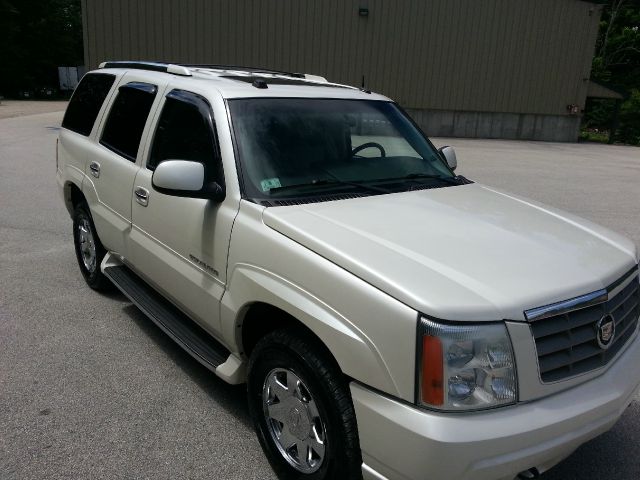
{"x":123,"y":129}
{"x":86,"y":102}
{"x":185,"y":132}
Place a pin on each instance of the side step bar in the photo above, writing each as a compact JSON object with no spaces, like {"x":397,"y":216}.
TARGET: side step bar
{"x":186,"y":333}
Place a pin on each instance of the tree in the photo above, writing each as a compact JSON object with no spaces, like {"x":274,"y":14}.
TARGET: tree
{"x":37,"y":36}
{"x":617,"y":63}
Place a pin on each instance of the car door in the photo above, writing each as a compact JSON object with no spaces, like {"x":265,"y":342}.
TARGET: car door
{"x":180,"y":244}
{"x":111,"y":166}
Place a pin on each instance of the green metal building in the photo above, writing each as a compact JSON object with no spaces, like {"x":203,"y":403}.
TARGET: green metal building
{"x":466,"y":68}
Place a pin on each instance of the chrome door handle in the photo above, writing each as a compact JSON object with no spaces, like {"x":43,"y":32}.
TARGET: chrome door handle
{"x":142,"y":196}
{"x":94,"y":167}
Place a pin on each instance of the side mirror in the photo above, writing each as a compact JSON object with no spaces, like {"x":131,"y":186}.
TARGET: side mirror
{"x":183,"y":178}
{"x":449,"y":155}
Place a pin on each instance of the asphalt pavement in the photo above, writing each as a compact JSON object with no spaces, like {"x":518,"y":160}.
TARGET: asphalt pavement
{"x":89,"y":388}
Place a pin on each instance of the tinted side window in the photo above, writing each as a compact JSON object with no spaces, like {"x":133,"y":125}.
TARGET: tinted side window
{"x":185,"y":132}
{"x":86,"y":102}
{"x":129,"y":112}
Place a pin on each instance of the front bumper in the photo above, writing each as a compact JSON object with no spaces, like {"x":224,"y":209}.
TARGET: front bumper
{"x":399,"y":441}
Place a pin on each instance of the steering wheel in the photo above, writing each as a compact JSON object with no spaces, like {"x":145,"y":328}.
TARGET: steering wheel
{"x":358,"y":149}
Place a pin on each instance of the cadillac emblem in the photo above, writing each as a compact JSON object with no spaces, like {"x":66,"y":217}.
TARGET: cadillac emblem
{"x":605,"y":331}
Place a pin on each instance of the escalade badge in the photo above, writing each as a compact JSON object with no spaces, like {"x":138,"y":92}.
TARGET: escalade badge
{"x":606,"y":330}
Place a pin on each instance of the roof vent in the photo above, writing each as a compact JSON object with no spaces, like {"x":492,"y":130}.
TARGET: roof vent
{"x":259,"y":83}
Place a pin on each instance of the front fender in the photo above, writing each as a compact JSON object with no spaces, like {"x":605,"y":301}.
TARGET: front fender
{"x":355,"y":353}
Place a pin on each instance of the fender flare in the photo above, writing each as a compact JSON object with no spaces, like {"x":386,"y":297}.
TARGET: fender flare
{"x":356,"y":355}
{"x":73,"y":177}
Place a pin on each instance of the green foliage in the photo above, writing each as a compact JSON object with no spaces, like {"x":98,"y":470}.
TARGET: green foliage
{"x":630,"y":119}
{"x":593,"y":136}
{"x":37,"y":36}
{"x":617,"y":63}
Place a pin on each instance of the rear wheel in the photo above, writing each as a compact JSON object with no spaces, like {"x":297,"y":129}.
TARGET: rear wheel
{"x":302,"y":409}
{"x":89,"y":249}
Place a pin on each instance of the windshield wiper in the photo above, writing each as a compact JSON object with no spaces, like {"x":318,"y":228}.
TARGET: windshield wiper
{"x":420,"y":176}
{"x":355,"y":184}
{"x":325,"y":182}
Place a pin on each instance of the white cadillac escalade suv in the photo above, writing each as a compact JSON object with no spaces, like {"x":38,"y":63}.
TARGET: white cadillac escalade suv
{"x":391,"y":320}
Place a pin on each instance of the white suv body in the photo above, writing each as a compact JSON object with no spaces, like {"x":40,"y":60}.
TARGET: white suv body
{"x":475,"y":334}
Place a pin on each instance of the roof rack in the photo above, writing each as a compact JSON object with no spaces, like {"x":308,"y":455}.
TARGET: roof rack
{"x":153,"y":66}
{"x":185,"y":70}
{"x":238,"y":68}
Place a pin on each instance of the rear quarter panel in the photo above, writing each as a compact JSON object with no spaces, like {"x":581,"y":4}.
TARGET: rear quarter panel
{"x":73,"y":151}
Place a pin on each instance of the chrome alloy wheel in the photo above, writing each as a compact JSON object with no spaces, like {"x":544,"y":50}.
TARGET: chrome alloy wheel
{"x":87,"y":245}
{"x":293,"y":420}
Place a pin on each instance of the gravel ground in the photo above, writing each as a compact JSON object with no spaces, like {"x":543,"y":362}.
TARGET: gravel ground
{"x":19,"y":108}
{"x":91,"y":389}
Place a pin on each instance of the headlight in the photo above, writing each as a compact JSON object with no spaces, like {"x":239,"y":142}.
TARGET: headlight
{"x":465,"y":366}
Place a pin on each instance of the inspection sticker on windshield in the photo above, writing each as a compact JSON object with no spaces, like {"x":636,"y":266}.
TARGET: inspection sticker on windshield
{"x":269,"y":183}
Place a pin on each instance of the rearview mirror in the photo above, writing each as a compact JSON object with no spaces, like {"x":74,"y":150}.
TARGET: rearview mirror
{"x":449,"y":155}
{"x":184,"y":178}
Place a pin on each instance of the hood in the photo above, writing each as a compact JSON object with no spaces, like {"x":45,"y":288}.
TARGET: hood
{"x":469,"y":252}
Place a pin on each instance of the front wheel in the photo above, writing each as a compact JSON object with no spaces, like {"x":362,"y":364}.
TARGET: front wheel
{"x":302,"y":409}
{"x":89,"y":249}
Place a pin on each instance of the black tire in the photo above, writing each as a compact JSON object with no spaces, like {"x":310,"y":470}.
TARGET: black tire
{"x":93,"y":276}
{"x":299,"y":353}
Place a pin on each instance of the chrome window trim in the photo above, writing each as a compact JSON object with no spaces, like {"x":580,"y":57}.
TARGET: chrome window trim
{"x":583,"y":301}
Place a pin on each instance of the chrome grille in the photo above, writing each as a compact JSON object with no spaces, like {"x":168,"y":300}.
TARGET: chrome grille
{"x":567,"y":343}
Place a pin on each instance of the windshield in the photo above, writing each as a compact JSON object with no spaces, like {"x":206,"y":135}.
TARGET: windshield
{"x":303,"y":147}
